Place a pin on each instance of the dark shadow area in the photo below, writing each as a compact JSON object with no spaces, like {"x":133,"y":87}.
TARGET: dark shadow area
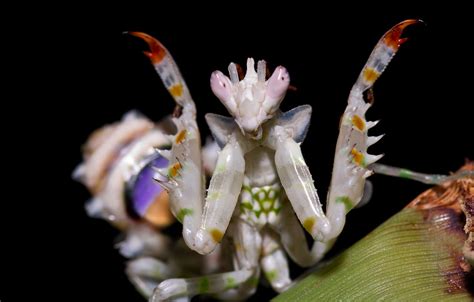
{"x":423,"y":99}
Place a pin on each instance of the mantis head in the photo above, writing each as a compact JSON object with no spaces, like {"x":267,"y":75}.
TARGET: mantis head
{"x":252,"y":100}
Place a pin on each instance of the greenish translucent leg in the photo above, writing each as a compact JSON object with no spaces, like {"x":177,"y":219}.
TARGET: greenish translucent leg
{"x":211,"y":284}
{"x":237,"y":292}
{"x":431,"y":179}
{"x":246,"y":243}
{"x":146,"y":272}
{"x":274,"y":263}
{"x":294,"y":241}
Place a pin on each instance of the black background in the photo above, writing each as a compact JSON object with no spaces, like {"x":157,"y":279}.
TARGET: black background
{"x":424,"y":100}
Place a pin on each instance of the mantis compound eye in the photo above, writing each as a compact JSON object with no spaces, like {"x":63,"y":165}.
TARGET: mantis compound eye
{"x":277,"y":85}
{"x":222,"y":88}
{"x":145,"y":197}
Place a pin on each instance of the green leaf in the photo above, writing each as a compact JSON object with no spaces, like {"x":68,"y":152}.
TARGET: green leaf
{"x":414,"y":256}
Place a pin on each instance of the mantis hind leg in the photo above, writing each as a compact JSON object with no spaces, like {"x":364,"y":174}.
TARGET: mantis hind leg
{"x":236,"y":284}
{"x":274,"y":262}
{"x":432,"y":179}
{"x":146,"y":272}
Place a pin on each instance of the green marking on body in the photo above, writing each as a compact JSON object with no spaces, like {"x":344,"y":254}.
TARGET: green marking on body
{"x":276,"y":193}
{"x":183,"y":212}
{"x":277,"y":210}
{"x":346,"y":201}
{"x":253,"y":281}
{"x":404,"y":173}
{"x":230,"y":283}
{"x":272,"y":206}
{"x":246,"y":204}
{"x":309,"y":223}
{"x":267,"y":205}
{"x":247,"y":188}
{"x":220,"y":168}
{"x":214,"y":196}
{"x":203,"y":286}
{"x":271,"y":275}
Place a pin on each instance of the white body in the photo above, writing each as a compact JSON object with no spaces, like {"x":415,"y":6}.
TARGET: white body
{"x":261,"y":196}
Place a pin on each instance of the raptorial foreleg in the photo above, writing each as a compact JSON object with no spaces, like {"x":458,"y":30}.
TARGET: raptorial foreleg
{"x":204,"y":224}
{"x":183,"y":178}
{"x":351,"y":158}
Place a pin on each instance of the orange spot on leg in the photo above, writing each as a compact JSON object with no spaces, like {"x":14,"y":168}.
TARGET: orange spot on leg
{"x":180,"y":136}
{"x":173,"y":170}
{"x":309,"y":223}
{"x":216,"y":235}
{"x":238,"y":247}
{"x":358,"y":122}
{"x":370,"y":75}
{"x":176,"y":90}
{"x":358,"y":157}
